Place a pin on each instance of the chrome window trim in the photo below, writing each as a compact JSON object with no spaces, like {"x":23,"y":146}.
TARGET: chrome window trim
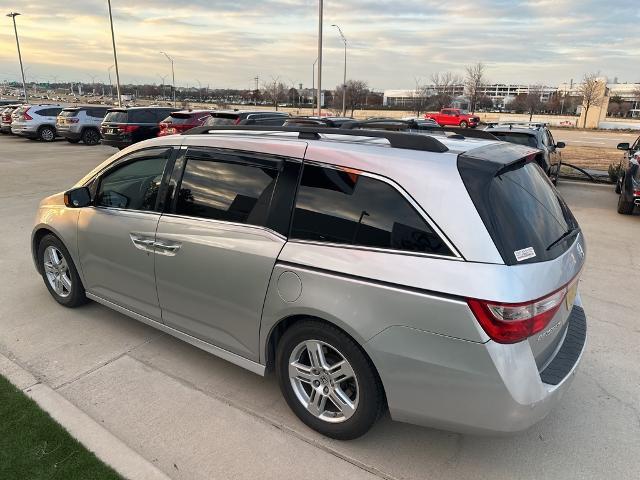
{"x":225,"y":222}
{"x":393,"y":184}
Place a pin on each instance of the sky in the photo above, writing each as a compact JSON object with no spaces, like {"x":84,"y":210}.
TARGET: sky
{"x":391,"y":44}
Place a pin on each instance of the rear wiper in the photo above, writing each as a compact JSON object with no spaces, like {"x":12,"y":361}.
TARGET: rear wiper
{"x":567,"y":234}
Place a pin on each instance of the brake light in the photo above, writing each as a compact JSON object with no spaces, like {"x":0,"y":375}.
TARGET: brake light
{"x":236,"y":121}
{"x":129,"y":128}
{"x":514,"y":322}
{"x":26,"y":115}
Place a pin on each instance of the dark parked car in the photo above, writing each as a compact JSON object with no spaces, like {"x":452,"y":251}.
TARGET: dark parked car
{"x":243,"y":117}
{"x":179,"y":122}
{"x":628,"y":185}
{"x":5,"y":117}
{"x":535,"y":135}
{"x":122,"y":127}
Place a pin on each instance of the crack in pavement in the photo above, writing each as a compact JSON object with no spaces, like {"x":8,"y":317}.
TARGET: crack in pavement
{"x":631,"y":406}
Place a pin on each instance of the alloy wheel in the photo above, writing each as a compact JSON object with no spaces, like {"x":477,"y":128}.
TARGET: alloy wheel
{"x":323,"y":381}
{"x":57,"y":271}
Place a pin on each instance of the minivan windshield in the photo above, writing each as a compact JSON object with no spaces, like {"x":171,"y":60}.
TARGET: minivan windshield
{"x":524,"y":214}
{"x":117,"y":116}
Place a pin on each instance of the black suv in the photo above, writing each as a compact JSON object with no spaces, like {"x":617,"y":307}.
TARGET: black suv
{"x":628,"y":184}
{"x":535,"y":135}
{"x":122,"y":127}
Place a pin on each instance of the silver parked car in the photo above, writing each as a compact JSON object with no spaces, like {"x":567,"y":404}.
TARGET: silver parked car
{"x":81,"y":123}
{"x":436,"y":277}
{"x":37,"y":122}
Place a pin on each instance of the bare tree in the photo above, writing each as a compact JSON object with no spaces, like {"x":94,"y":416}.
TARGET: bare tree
{"x":533,"y":100}
{"x":591,"y":91}
{"x":420,"y":97}
{"x":473,"y":83}
{"x":275,"y":92}
{"x":444,"y":85}
{"x":356,"y":91}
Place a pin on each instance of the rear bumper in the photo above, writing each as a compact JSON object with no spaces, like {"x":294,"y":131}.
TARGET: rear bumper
{"x":487,"y":388}
{"x":5,"y":128}
{"x":116,"y":143}
{"x":24,"y":130}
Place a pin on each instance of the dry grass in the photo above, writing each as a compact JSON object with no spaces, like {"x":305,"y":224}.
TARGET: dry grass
{"x":596,"y":158}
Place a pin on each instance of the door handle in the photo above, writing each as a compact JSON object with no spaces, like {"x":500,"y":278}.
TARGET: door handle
{"x":142,"y":242}
{"x":163,"y":247}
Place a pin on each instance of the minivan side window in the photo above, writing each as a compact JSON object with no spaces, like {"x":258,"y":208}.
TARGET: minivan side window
{"x":134,"y":185}
{"x":346,"y":207}
{"x":221,"y":190}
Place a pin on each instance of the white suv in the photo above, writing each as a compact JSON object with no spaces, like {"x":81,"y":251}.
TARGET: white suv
{"x":35,"y":121}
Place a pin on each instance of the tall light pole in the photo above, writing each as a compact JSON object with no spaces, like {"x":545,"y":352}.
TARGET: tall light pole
{"x":173,"y":77}
{"x":313,"y":88}
{"x":344,"y":83}
{"x":320,"y":5}
{"x":13,"y":16}
{"x":115,"y":56}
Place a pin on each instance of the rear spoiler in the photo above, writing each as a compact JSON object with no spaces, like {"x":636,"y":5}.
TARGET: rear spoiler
{"x":495,"y":159}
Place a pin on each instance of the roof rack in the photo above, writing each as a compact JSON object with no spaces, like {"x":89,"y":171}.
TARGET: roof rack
{"x":517,"y":124}
{"x":409,"y":141}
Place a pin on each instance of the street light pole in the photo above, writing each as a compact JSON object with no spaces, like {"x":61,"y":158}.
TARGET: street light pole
{"x":313,"y":88}
{"x":115,"y":56}
{"x":13,"y":16}
{"x":344,"y":83}
{"x":173,"y":77}
{"x":320,"y":6}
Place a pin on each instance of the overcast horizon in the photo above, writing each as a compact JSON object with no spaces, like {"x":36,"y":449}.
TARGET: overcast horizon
{"x":225,"y":44}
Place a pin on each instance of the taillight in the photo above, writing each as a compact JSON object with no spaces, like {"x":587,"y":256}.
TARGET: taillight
{"x":26,"y":115}
{"x":514,"y":322}
{"x":236,"y":121}
{"x":129,"y":128}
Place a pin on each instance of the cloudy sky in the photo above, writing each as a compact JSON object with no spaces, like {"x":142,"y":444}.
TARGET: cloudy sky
{"x":224,"y":43}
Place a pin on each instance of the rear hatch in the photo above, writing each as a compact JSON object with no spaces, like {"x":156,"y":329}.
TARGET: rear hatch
{"x":5,"y":117}
{"x":529,"y":223}
{"x":66,"y":118}
{"x":114,"y":125}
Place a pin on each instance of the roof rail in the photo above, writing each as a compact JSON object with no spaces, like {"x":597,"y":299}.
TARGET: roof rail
{"x":409,"y":141}
{"x":516,"y":124}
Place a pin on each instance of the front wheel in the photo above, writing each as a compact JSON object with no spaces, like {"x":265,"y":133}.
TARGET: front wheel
{"x":463,"y":124}
{"x":327,"y":380}
{"x":624,"y":207}
{"x":59,"y":273}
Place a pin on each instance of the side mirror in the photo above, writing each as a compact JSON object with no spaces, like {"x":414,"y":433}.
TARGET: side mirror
{"x":560,"y":145}
{"x":77,"y":197}
{"x":623,"y":146}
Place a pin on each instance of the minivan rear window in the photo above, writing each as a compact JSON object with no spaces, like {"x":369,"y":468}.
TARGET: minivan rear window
{"x":117,"y":116}
{"x":524,"y":214}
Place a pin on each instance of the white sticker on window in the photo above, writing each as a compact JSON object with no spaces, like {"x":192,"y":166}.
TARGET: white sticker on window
{"x":524,"y":254}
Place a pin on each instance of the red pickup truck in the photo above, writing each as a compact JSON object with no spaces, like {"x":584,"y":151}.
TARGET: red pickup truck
{"x":454,"y":116}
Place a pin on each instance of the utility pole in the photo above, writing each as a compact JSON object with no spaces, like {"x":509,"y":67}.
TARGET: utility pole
{"x":320,"y":7}
{"x":257,"y":79}
{"x":344,"y":83}
{"x":115,"y":56}
{"x":173,"y":76}
{"x":313,"y":88}
{"x":13,"y":16}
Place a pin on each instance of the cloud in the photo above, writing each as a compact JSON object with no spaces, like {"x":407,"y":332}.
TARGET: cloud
{"x":227,"y":43}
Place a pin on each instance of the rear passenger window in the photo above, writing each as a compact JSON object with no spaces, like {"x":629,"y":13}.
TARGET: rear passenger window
{"x":226,"y":191}
{"x":142,"y":116}
{"x":348,"y":208}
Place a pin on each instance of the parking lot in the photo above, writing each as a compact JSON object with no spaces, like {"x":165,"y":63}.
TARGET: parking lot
{"x":198,"y":417}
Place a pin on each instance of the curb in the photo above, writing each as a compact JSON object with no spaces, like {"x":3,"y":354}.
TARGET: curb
{"x":106,"y":446}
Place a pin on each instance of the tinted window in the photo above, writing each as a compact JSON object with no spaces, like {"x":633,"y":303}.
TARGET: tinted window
{"x":116,"y":117}
{"x":344,"y":207}
{"x":520,"y":209}
{"x":49,"y":112}
{"x":142,"y":116}
{"x":96,"y":112}
{"x":135,"y":185}
{"x":517,"y":138}
{"x":222,"y":119}
{"x":226,"y":191}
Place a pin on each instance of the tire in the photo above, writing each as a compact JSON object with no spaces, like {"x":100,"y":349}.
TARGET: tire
{"x":59,"y":272}
{"x":72,"y":140}
{"x":91,"y":136}
{"x":624,"y":207}
{"x":47,"y":133}
{"x":360,"y":387}
{"x":463,"y":124}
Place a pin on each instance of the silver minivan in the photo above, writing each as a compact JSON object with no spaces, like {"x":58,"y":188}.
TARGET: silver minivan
{"x":434,"y":277}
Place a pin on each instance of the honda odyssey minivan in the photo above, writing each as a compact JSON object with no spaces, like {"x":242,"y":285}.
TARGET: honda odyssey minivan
{"x":434,"y":277}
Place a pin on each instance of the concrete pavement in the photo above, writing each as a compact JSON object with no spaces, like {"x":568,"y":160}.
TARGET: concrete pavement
{"x":195,"y":416}
{"x":590,"y":138}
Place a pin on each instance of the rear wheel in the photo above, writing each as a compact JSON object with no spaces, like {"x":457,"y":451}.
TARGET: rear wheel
{"x":463,"y":124}
{"x":624,"y":207}
{"x":59,"y":273}
{"x":91,"y":136}
{"x":47,"y":134}
{"x":327,"y":380}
